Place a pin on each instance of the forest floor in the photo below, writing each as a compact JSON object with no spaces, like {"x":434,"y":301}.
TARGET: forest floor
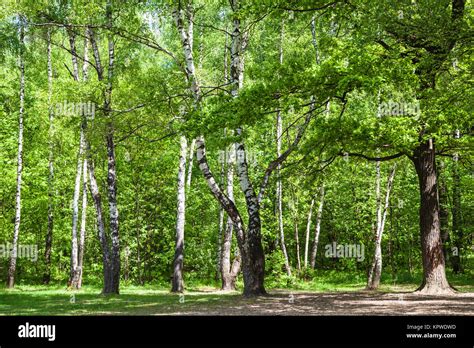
{"x":400,"y":300}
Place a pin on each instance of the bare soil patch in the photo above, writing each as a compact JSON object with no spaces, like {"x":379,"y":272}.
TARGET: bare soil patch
{"x":339,"y":303}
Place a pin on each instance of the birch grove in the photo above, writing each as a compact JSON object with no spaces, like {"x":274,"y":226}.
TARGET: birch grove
{"x":232,"y":145}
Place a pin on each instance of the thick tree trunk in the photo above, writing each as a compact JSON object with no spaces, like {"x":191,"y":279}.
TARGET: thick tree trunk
{"x":228,"y":282}
{"x":253,"y":260}
{"x":97,"y":199}
{"x":376,"y":269}
{"x":317,"y":229}
{"x":49,"y":234}
{"x":177,"y":283}
{"x":229,"y":271}
{"x":434,"y":274}
{"x":253,"y":265}
{"x":14,"y":251}
{"x":251,"y":250}
{"x":111,"y":254}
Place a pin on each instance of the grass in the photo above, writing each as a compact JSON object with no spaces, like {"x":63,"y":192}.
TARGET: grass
{"x":41,"y":300}
{"x":335,"y":280}
{"x":156,"y":299}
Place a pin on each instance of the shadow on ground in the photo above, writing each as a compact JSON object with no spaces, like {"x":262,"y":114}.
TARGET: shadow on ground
{"x":278,"y":302}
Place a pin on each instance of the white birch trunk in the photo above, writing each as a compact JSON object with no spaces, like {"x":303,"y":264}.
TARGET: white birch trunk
{"x":192,"y":149}
{"x":378,"y":215}
{"x":82,"y":235}
{"x":114,"y":284}
{"x":14,"y":251}
{"x":228,"y":275}
{"x":178,"y":285}
{"x":376,"y":269}
{"x":97,"y":199}
{"x":111,"y":255}
{"x":186,"y":37}
{"x":315,"y":40}
{"x":72,"y":282}
{"x":49,"y":234}
{"x":308,"y":229}
{"x":222,"y":198}
{"x":187,"y":45}
{"x":318,"y":227}
{"x":85,"y":174}
{"x":279,"y":190}
{"x":221,"y":231}
{"x":297,"y":242}
{"x":75,"y":213}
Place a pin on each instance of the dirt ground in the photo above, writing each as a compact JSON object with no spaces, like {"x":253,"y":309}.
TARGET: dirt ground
{"x":340,"y":303}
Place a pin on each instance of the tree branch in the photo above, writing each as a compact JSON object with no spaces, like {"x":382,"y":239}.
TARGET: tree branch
{"x":274,"y":164}
{"x":370,"y":158}
{"x":310,"y":9}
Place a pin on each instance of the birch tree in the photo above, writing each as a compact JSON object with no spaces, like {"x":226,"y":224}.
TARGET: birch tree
{"x":248,"y":238}
{"x":19,"y":171}
{"x":317,"y":229}
{"x":178,"y":284}
{"x":229,"y":270}
{"x":308,"y":231}
{"x":381,"y":211}
{"x":77,"y":240}
{"x":279,"y":192}
{"x":110,"y":250}
{"x":186,"y":32}
{"x":49,"y":234}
